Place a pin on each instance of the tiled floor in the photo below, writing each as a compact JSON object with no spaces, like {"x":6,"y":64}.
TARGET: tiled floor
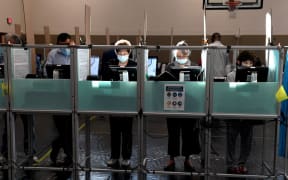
{"x":156,"y":150}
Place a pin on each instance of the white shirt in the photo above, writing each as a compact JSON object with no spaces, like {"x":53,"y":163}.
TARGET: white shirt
{"x":216,"y":43}
{"x":55,"y":57}
{"x":220,"y":58}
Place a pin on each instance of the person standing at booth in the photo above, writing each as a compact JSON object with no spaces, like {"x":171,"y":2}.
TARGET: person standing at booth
{"x":120,"y":127}
{"x":236,"y":127}
{"x":63,"y":123}
{"x":27,"y":119}
{"x":184,"y":126}
{"x":221,"y":63}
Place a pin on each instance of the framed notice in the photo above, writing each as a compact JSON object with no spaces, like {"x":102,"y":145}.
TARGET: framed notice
{"x":83,"y":63}
{"x":174,"y":97}
{"x":21,"y":62}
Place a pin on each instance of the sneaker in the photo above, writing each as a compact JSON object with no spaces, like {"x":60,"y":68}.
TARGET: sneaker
{"x":170,"y":166}
{"x":125,"y":163}
{"x":35,"y":158}
{"x":242,"y":169}
{"x":113,"y":163}
{"x":188,"y":166}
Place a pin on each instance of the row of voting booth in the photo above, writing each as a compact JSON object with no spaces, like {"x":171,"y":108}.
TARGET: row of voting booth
{"x":205,"y":100}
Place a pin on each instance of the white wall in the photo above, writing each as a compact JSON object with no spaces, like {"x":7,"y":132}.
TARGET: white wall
{"x":126,"y":17}
{"x":14,"y":9}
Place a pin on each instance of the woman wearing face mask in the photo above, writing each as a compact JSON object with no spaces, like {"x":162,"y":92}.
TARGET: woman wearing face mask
{"x":122,"y":60}
{"x":120,"y":127}
{"x":183,"y":126}
{"x":181,"y":57}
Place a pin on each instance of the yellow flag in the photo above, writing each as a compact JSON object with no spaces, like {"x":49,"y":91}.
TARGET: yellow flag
{"x":4,"y":88}
{"x":281,"y":94}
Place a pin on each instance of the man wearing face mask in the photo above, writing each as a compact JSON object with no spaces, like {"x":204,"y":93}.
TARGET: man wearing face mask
{"x":120,"y":127}
{"x":63,"y":123}
{"x":60,"y":55}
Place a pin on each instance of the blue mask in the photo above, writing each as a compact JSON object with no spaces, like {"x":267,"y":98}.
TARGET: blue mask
{"x":122,"y":58}
{"x":65,"y":51}
{"x":182,"y":60}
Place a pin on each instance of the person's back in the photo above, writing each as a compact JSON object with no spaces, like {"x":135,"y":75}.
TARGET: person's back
{"x":220,"y":57}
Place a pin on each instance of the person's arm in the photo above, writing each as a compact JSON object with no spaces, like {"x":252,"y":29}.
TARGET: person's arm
{"x":228,"y":64}
{"x":50,"y":58}
{"x":168,"y":67}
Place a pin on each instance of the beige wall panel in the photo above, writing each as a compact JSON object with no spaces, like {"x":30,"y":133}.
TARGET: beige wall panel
{"x":126,"y":17}
{"x":13,"y":9}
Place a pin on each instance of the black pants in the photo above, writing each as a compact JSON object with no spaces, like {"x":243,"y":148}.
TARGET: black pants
{"x":63,"y":124}
{"x":177,"y":127}
{"x":244,"y":128}
{"x":29,"y":132}
{"x":121,"y":129}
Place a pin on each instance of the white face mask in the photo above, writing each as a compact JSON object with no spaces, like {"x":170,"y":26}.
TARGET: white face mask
{"x":122,"y":58}
{"x":181,"y":60}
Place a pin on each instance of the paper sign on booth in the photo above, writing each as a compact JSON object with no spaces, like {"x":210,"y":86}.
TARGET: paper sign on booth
{"x":174,"y":97}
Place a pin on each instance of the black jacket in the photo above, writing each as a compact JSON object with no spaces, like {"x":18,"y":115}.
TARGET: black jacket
{"x":108,"y":74}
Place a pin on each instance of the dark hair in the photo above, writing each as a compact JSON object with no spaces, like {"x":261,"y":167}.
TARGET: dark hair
{"x":63,"y":37}
{"x":13,"y":38}
{"x":244,"y":56}
{"x":215,"y":36}
{"x":258,"y":62}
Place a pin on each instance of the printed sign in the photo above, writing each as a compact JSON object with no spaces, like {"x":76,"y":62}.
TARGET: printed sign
{"x":174,"y":97}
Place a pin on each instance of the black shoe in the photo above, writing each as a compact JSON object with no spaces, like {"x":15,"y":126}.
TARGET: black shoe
{"x":188,"y":167}
{"x":56,"y":146}
{"x":53,"y":156}
{"x":68,"y":161}
{"x":170,"y":166}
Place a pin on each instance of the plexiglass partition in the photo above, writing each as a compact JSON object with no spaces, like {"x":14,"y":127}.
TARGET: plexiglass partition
{"x":155,"y":96}
{"x":36,"y":94}
{"x":107,"y":96}
{"x":41,"y":94}
{"x":98,"y":96}
{"x":247,"y":98}
{"x":178,"y":96}
{"x":187,"y":98}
